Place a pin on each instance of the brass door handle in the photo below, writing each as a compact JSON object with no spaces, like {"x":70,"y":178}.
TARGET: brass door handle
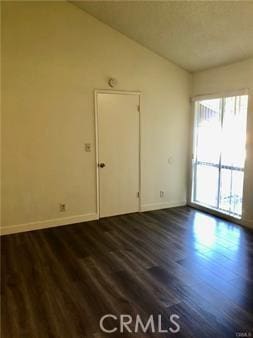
{"x":101,"y":165}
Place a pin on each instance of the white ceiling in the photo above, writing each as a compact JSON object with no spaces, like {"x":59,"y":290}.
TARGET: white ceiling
{"x":195,"y":35}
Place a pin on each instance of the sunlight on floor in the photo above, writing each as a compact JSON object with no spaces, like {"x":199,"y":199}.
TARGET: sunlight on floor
{"x":208,"y":233}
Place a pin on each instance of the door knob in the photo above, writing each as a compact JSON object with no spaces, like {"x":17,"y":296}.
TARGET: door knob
{"x":101,"y":165}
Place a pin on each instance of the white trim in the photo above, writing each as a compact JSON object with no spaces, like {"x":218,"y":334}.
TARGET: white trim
{"x":165,"y":205}
{"x":192,"y":138}
{"x":207,"y":96}
{"x":96,"y":146}
{"x":11,"y":229}
{"x":140,"y":143}
{"x":120,"y":92}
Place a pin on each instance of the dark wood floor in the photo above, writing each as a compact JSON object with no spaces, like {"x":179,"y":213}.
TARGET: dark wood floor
{"x":59,"y":282}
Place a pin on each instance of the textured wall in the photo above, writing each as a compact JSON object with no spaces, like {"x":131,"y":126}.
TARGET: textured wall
{"x":54,"y":56}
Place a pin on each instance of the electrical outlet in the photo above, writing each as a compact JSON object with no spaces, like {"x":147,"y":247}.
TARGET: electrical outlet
{"x":62,"y":207}
{"x":161,"y":194}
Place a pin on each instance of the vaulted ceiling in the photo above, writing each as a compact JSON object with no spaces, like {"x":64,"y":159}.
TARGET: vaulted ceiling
{"x":195,"y":35}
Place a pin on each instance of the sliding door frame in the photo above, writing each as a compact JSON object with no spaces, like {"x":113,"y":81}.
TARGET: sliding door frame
{"x":192,"y":152}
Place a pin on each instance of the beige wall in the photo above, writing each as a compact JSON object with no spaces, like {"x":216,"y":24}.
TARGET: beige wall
{"x":54,"y":56}
{"x":228,"y":79}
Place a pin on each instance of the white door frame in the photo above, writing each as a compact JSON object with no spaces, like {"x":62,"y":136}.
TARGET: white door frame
{"x":108,"y":91}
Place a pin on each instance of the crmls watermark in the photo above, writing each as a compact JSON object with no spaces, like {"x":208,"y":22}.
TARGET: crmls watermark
{"x":128,"y":323}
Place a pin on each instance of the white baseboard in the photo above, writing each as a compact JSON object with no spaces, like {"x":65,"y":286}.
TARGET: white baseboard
{"x":11,"y":229}
{"x":164,"y":205}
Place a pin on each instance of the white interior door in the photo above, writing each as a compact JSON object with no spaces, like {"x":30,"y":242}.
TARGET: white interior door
{"x":118,"y":153}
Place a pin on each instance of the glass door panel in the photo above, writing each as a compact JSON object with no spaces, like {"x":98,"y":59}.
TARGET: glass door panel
{"x":231,"y":191}
{"x":207,"y":185}
{"x":219,"y":153}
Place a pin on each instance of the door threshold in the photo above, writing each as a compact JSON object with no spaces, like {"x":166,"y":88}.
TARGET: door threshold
{"x":214,"y":212}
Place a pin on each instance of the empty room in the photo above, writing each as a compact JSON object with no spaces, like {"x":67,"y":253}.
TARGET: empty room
{"x":126,"y":169}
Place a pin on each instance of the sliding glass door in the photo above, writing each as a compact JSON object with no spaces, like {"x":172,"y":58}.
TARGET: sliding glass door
{"x":219,"y":153}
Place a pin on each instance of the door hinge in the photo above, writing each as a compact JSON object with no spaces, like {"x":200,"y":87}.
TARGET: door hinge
{"x":139,"y":108}
{"x":138,"y":194}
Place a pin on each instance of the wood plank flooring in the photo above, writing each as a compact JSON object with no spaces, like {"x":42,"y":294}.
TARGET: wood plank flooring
{"x":59,"y":282}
